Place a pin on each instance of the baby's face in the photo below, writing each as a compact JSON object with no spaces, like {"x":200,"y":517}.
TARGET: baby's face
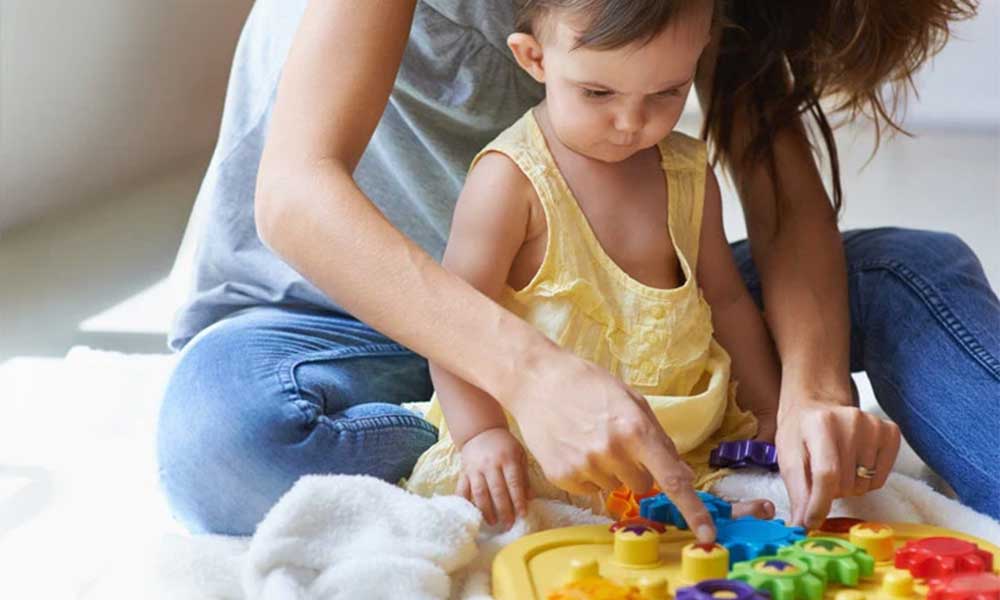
{"x":610,"y":104}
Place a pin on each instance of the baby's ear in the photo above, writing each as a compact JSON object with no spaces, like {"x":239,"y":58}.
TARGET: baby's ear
{"x":528,"y":53}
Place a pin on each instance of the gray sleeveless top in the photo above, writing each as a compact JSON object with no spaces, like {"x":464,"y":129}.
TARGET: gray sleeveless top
{"x":458,"y":87}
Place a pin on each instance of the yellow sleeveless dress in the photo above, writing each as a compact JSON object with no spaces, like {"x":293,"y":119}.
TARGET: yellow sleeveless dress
{"x":658,"y":341}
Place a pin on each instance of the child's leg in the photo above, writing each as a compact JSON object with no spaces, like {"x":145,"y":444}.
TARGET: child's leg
{"x":269,"y":395}
{"x":926,"y":330}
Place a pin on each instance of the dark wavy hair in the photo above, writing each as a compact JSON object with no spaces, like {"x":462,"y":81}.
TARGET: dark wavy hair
{"x":777,"y":59}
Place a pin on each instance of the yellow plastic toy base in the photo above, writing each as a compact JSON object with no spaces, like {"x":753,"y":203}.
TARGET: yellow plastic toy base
{"x":542,"y":564}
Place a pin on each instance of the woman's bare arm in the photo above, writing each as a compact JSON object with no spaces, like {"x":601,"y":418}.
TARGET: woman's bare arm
{"x":796,"y":246}
{"x":333,"y":91}
{"x":798,"y":251}
{"x":334,"y":88}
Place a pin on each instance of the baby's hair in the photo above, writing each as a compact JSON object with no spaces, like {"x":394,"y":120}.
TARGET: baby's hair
{"x":611,"y":24}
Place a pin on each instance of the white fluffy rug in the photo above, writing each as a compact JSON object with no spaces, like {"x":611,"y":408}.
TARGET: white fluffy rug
{"x":81,"y":515}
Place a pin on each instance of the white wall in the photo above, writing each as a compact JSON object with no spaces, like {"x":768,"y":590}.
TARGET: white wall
{"x":100,"y":95}
{"x":961,"y":86}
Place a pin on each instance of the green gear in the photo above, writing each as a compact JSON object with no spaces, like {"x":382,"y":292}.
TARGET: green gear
{"x":832,"y":559}
{"x":784,"y":578}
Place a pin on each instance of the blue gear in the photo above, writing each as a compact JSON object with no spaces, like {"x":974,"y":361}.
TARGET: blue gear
{"x":662,"y":509}
{"x":748,"y":537}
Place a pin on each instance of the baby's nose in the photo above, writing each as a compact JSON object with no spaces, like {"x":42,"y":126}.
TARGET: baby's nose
{"x":629,"y":120}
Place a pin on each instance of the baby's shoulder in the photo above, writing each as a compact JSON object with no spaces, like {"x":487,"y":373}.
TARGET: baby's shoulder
{"x":496,"y":178}
{"x":499,"y":172}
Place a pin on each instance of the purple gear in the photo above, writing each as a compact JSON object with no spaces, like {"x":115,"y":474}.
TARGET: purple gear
{"x":745,"y":453}
{"x":707,"y":589}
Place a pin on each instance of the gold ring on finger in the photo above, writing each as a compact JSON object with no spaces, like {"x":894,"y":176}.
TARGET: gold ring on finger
{"x":864,"y":472}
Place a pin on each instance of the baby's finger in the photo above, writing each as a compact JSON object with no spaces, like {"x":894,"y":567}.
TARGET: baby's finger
{"x":517,"y":484}
{"x":501,"y":497}
{"x":481,"y":494}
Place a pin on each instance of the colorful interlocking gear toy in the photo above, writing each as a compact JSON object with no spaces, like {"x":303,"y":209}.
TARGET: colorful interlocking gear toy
{"x":748,"y":538}
{"x":744,"y":453}
{"x":875,"y":538}
{"x":638,"y":522}
{"x":662,"y":509}
{"x":942,"y":556}
{"x":845,"y":559}
{"x":965,"y":586}
{"x":838,"y":561}
{"x":700,"y":562}
{"x":624,"y":504}
{"x":839,"y":524}
{"x":716,"y":589}
{"x":783,"y":578}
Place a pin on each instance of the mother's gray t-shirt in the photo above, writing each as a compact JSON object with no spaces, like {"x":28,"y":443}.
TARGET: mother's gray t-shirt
{"x":458,"y":87}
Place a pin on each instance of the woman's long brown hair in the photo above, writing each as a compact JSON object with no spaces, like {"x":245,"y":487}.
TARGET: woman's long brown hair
{"x":778,"y":58}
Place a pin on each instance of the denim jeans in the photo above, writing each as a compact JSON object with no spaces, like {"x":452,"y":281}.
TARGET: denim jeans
{"x":272,"y":393}
{"x":925,"y":328}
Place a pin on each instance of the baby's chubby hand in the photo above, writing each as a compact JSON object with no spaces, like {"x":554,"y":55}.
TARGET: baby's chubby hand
{"x":494,"y":475}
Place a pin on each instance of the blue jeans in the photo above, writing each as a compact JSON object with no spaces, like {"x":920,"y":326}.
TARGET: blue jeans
{"x":925,"y":328}
{"x":270,"y":394}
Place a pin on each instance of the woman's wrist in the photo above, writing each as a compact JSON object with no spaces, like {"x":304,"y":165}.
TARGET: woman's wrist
{"x":523,"y":354}
{"x":799,"y":390}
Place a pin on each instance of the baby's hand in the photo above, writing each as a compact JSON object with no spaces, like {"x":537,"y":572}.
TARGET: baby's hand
{"x":493,"y":475}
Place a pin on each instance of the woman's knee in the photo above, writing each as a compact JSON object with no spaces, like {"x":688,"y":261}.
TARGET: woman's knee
{"x":921,"y":251}
{"x":214,"y":438}
{"x":233,"y":436}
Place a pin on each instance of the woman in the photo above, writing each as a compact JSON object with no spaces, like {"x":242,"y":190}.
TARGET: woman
{"x":347,"y":132}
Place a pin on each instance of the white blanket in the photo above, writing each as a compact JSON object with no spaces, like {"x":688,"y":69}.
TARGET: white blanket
{"x":347,"y":537}
{"x":81,"y":515}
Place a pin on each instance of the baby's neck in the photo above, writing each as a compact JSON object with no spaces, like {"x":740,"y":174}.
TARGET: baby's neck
{"x":568,"y":159}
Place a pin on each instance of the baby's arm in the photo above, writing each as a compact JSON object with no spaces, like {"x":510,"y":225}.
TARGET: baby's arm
{"x":488,"y":228}
{"x":739,"y":325}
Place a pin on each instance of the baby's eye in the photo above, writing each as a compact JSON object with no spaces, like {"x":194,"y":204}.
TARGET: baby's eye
{"x":673,"y":92}
{"x":596,"y":93}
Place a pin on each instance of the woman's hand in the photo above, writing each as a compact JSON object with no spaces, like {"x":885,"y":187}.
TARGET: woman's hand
{"x":767,"y":424}
{"x":494,"y":476}
{"x":822,"y":443}
{"x":589,"y":431}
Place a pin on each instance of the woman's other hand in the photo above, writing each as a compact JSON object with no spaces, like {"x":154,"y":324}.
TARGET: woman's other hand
{"x":828,"y":448}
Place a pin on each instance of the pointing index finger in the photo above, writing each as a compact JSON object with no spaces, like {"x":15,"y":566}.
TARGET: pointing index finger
{"x":675,"y":479}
